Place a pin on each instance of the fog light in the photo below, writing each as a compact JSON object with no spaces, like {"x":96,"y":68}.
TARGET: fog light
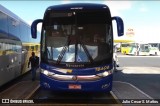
{"x":46,"y":85}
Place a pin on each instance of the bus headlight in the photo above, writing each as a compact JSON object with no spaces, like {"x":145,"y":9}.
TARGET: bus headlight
{"x":106,"y":73}
{"x":46,"y":72}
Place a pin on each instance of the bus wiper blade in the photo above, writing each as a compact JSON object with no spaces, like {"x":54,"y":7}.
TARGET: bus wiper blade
{"x":60,"y":57}
{"x":48,"y":53}
{"x":87,"y":52}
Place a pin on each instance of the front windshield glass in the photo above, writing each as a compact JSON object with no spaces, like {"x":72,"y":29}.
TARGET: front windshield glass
{"x":70,"y":40}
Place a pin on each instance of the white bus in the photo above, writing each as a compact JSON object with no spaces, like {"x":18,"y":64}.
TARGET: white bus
{"x":138,"y":49}
{"x":154,"y":49}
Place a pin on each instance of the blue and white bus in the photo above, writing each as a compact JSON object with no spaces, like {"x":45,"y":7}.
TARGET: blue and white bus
{"x":77,"y":47}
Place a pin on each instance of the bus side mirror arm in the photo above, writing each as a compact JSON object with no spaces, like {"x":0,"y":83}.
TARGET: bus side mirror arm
{"x":120,"y":25}
{"x":34,"y":27}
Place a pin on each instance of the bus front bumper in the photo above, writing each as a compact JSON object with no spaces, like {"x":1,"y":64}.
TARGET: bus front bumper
{"x":103,"y":84}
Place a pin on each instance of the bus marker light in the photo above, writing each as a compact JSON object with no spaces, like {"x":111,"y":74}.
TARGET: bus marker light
{"x":69,"y":71}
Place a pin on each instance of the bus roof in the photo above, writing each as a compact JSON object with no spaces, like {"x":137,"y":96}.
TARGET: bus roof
{"x":78,"y":6}
{"x":11,"y":14}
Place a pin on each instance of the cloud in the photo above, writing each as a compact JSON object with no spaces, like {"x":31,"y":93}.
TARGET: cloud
{"x":66,"y":1}
{"x":143,"y":9}
{"x":147,"y":33}
{"x":117,"y":6}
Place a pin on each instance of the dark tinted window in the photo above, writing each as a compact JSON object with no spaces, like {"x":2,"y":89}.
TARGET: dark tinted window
{"x":3,"y":22}
{"x":24,"y":32}
{"x":93,"y":17}
{"x":13,"y":27}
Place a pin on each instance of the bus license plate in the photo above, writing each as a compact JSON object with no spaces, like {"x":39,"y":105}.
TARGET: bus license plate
{"x":74,"y":86}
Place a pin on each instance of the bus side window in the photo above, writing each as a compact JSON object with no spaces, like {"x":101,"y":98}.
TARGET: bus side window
{"x":4,"y":48}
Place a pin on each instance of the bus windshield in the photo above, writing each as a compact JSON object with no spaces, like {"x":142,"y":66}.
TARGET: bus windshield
{"x":77,"y":37}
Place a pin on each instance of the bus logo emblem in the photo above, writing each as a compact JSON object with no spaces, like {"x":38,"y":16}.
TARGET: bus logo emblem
{"x":74,"y":78}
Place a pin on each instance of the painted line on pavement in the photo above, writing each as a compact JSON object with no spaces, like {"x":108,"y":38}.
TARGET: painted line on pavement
{"x":115,"y":97}
{"x":31,"y":94}
{"x":136,"y":89}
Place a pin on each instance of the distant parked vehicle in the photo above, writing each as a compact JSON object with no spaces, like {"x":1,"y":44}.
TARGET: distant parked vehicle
{"x":155,"y":45}
{"x":154,"y":50}
{"x":135,"y":49}
{"x":125,"y":48}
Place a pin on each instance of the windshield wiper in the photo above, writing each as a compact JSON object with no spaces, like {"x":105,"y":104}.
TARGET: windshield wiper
{"x":87,"y":52}
{"x":60,"y":57}
{"x":48,"y":53}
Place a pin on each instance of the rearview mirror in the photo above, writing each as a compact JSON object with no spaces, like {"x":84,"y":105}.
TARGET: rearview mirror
{"x":34,"y":27}
{"x":120,"y":25}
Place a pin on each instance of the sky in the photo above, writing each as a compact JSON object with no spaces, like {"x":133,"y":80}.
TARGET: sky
{"x":140,"y":16}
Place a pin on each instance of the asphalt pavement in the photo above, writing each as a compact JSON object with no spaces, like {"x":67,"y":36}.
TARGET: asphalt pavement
{"x":139,"y":61}
{"x":140,"y":71}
